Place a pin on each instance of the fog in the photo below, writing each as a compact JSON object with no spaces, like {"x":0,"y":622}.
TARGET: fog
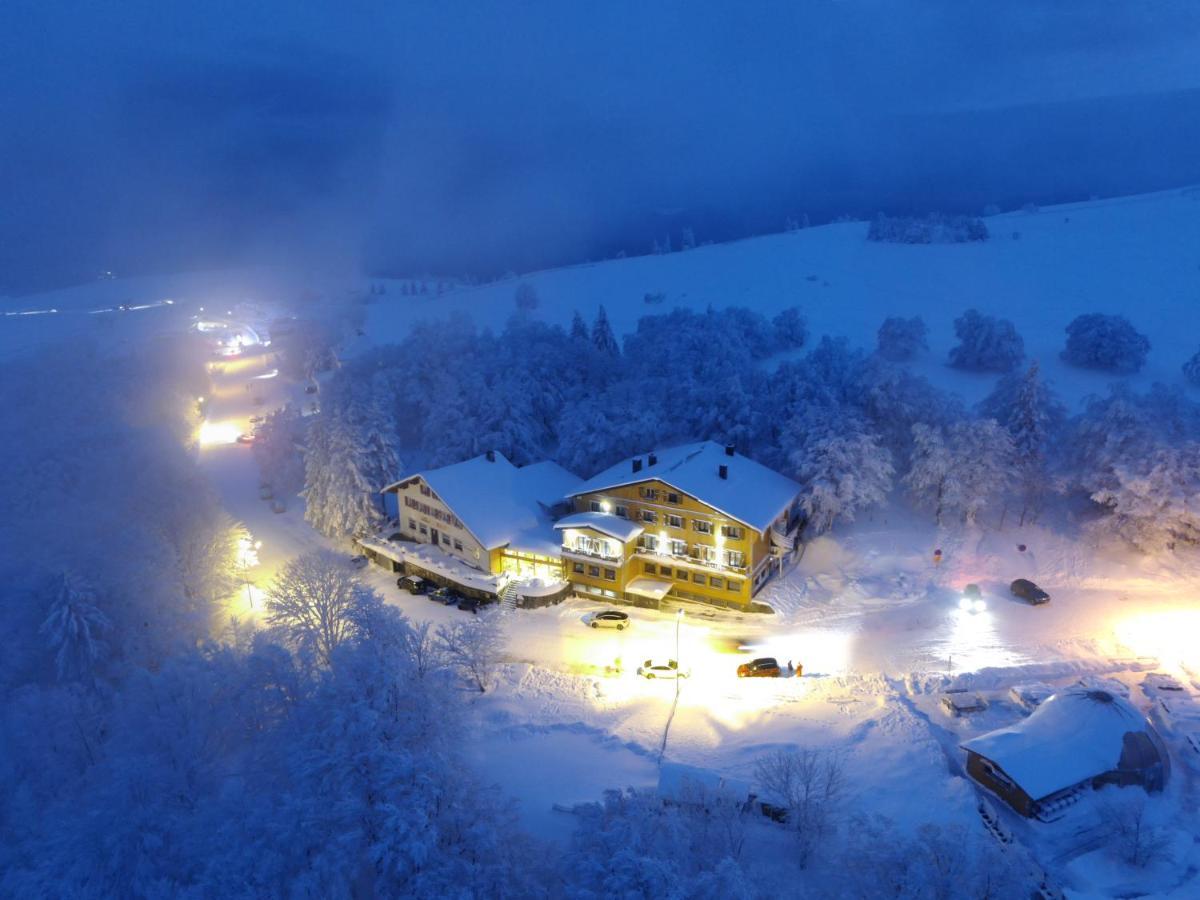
{"x":454,"y":137}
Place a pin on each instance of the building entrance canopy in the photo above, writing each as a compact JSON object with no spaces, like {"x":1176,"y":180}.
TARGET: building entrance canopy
{"x":649,"y":587}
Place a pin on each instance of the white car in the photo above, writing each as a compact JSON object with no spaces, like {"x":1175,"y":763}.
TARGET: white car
{"x":610,"y":618}
{"x":652,"y":669}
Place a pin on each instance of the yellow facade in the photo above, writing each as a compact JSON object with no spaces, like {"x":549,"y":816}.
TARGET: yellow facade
{"x":704,"y":554}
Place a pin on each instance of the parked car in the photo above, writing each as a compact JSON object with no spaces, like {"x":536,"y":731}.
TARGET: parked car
{"x":470,"y":604}
{"x":257,"y":420}
{"x":960,"y":703}
{"x":445,"y":596}
{"x":310,"y":389}
{"x":972,"y":599}
{"x":1030,"y":696}
{"x":763,"y":667}
{"x":610,"y":618}
{"x":359,"y":562}
{"x":1029,"y":592}
{"x":652,"y":669}
{"x":414,"y":584}
{"x":244,"y":438}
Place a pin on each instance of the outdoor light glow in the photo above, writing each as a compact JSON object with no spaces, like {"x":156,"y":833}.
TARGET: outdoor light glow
{"x":218,"y":433}
{"x":1173,"y":636}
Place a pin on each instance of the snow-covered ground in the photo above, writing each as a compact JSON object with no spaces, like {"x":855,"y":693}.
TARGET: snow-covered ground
{"x":868,"y":614}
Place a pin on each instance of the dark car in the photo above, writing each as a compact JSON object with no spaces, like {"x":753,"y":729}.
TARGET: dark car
{"x":413,"y":584}
{"x":470,"y":604}
{"x":1029,"y":592}
{"x":310,"y":389}
{"x":764,"y":667}
{"x":444,"y":595}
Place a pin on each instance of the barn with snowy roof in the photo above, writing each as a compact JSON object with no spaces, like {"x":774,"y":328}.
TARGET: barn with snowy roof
{"x":1076,"y":739}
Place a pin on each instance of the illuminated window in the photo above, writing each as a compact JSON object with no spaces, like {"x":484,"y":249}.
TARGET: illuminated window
{"x":735,"y":559}
{"x":706,"y":553}
{"x":674,"y":521}
{"x":649,"y":515}
{"x":648,"y":542}
{"x":702,"y":526}
{"x":622,"y":511}
{"x":678,"y":548}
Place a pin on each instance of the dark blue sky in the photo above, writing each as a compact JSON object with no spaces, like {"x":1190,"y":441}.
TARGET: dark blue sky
{"x":473,"y":136}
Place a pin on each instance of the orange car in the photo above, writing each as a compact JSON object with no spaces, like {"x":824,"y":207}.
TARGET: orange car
{"x":765,"y":667}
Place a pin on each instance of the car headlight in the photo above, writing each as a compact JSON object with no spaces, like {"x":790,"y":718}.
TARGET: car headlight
{"x":964,"y":603}
{"x":979,"y":606}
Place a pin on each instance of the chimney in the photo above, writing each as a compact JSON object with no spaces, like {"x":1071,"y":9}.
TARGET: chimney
{"x":729,"y":449}
{"x":652,"y":459}
{"x":637,"y":464}
{"x":491,"y":456}
{"x":723,"y":471}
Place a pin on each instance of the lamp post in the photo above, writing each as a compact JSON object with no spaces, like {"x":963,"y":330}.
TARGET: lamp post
{"x":678,"y":666}
{"x":248,"y":555}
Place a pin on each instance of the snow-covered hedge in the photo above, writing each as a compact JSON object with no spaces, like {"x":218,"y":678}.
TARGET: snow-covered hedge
{"x":934,"y":228}
{"x":987,"y":344}
{"x":902,"y":339}
{"x":1109,"y":343}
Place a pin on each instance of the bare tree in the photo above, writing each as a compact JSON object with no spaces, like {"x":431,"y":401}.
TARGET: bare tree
{"x":1135,"y":840}
{"x":812,"y":785}
{"x":315,"y":600}
{"x":474,"y":648}
{"x":422,"y":648}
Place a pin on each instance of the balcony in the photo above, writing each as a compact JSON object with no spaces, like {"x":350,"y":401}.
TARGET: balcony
{"x":689,"y":560}
{"x":580,"y":553}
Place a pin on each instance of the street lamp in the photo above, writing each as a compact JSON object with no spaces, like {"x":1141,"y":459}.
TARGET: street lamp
{"x":248,"y":556}
{"x":678,"y":664}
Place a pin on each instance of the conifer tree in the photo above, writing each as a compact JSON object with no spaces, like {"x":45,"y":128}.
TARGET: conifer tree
{"x":602,"y":335}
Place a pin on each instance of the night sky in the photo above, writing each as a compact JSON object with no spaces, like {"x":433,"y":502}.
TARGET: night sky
{"x":465,"y":137}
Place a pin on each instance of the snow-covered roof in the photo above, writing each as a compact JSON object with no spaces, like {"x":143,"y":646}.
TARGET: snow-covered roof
{"x":689,"y":784}
{"x":1070,"y":738}
{"x":502,"y":504}
{"x":614,"y":526}
{"x":751,"y":492}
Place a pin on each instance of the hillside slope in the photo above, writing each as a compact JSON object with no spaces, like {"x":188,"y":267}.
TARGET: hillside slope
{"x":1138,"y":256}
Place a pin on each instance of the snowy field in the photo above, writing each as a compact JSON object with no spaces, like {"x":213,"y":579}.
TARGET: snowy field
{"x":868,"y":614}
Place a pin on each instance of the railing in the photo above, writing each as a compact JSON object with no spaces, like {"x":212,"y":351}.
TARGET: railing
{"x":589,"y":554}
{"x":688,"y":559}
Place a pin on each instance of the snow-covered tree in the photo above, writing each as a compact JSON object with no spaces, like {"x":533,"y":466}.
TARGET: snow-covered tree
{"x":931,"y":471}
{"x":811,"y":785}
{"x":986,"y":344}
{"x":351,"y":457}
{"x":1153,"y":502}
{"x":791,"y":330}
{"x":73,"y":628}
{"x":315,"y":600}
{"x":901,"y":339}
{"x":961,"y":472}
{"x":602,"y":335}
{"x":1027,"y":407}
{"x":526,"y":297}
{"x":1191,"y":369}
{"x":579,"y":329}
{"x":278,"y":449}
{"x":1109,"y":343}
{"x":475,"y":648}
{"x":842,"y":472}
